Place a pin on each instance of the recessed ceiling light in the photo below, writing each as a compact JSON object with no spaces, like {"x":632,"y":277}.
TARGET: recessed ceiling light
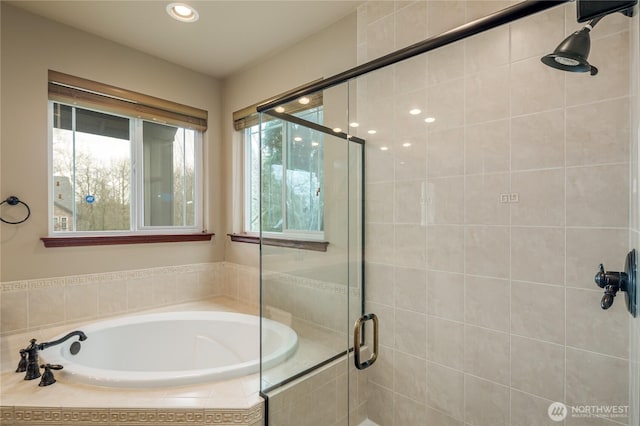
{"x":354,"y":124}
{"x":384,"y":148}
{"x":429,"y":120}
{"x":280,"y":109}
{"x":182,"y":12}
{"x":415,"y":111}
{"x":372,"y":132}
{"x":406,"y":144}
{"x":297,"y":139}
{"x":337,"y":129}
{"x":314,"y":144}
{"x":304,"y":100}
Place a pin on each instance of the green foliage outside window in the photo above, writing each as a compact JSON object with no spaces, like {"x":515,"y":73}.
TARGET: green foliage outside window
{"x":291,"y":171}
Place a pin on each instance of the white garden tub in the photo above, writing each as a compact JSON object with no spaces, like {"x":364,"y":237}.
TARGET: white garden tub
{"x":173,"y":348}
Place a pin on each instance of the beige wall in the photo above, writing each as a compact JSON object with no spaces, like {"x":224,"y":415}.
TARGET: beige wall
{"x":323,"y":54}
{"x":30,"y":46}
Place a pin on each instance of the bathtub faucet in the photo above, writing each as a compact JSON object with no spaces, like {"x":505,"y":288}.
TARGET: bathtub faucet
{"x":31,"y":366}
{"x":81,"y":336}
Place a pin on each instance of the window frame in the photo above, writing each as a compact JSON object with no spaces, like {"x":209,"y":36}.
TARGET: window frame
{"x":136,"y":182}
{"x":285,"y":234}
{"x":139,"y":187}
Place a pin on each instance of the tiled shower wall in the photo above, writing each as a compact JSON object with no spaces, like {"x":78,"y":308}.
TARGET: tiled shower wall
{"x":481,"y":269}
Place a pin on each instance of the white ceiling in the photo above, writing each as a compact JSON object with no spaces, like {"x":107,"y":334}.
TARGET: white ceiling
{"x":228,"y":36}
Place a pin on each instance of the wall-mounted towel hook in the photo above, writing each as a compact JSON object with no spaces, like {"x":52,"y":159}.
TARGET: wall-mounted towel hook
{"x":14,"y":201}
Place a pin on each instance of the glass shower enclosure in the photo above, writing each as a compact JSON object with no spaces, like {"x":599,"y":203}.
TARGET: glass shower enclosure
{"x":311,"y":212}
{"x":480,"y":226}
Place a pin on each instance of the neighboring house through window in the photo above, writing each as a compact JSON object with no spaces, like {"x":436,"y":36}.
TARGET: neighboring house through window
{"x":118,"y":171}
{"x":63,"y":200}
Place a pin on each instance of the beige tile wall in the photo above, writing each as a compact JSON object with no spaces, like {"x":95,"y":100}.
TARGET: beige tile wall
{"x":320,"y":398}
{"x":34,"y":304}
{"x":488,"y":309}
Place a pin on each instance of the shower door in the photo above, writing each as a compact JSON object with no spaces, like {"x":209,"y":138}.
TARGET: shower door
{"x":311,"y":218}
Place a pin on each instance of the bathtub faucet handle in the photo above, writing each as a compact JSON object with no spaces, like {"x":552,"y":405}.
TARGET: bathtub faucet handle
{"x":47,"y":376}
{"x":22,"y":365}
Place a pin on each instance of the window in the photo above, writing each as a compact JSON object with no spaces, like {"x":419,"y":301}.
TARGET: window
{"x":291,"y":168}
{"x":96,"y":181}
{"x":116,"y":172}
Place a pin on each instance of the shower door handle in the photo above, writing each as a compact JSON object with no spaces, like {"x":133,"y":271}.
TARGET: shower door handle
{"x":356,"y":341}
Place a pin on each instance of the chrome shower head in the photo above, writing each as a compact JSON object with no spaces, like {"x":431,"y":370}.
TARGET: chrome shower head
{"x":573,"y":52}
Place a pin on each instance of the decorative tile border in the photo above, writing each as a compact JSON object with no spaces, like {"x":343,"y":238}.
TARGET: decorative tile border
{"x":326,"y":286}
{"x":86,"y":279}
{"x":130,"y":416}
{"x":33,"y":415}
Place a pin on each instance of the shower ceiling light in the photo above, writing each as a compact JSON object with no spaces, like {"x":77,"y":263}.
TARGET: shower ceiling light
{"x":182,"y":12}
{"x":573,"y":52}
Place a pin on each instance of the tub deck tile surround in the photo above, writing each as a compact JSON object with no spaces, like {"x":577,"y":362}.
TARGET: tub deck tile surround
{"x":230,"y":402}
{"x":124,"y":416}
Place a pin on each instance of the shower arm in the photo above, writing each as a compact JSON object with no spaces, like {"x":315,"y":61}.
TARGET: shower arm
{"x":592,"y":23}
